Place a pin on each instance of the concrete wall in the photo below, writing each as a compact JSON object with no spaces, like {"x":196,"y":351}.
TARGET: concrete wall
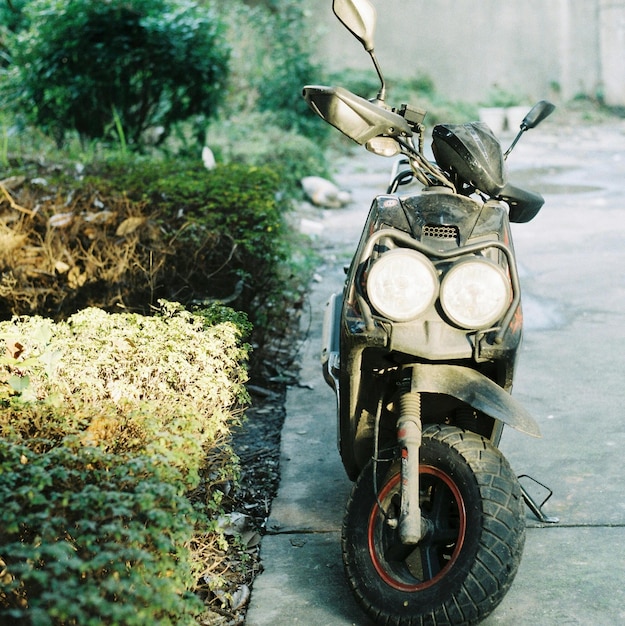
{"x":612,"y":29}
{"x":533,"y":48}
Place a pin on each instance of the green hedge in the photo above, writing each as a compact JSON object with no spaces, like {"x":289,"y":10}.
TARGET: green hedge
{"x":220,"y":226}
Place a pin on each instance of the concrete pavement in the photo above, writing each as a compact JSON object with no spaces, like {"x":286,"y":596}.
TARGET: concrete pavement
{"x":570,"y":377}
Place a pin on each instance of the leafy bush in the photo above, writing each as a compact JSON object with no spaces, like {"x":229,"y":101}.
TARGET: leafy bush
{"x":88,"y":537}
{"x":116,"y":68}
{"x":11,"y":19}
{"x":107,"y":421}
{"x":12,"y":14}
{"x":291,"y":68}
{"x":255,"y":139}
{"x":274,"y":44}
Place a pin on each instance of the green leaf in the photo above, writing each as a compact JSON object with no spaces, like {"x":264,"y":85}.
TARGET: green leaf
{"x":19,"y":383}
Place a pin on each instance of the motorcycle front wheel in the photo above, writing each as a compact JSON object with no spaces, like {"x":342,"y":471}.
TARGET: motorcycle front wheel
{"x":462,"y":568}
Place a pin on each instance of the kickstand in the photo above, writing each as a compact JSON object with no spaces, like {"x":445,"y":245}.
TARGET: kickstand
{"x":537,"y":509}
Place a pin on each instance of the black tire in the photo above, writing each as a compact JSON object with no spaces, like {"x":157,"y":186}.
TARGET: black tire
{"x":464,"y":566}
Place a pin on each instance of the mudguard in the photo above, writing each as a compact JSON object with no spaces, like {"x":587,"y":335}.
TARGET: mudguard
{"x":476,"y":390}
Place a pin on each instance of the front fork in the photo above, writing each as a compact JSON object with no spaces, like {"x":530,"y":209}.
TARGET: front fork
{"x":409,"y":430}
{"x":412,"y":527}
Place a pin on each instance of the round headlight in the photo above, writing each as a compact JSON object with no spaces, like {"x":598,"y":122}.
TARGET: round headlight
{"x":402,"y":284}
{"x":475,"y":293}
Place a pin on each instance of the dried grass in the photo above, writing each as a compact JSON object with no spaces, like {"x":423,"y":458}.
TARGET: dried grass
{"x":60,"y":254}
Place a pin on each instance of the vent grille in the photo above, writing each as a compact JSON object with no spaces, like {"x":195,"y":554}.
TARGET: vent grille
{"x":441,"y":232}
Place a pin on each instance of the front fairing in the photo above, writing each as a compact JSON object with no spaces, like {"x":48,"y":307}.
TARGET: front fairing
{"x":443,"y":225}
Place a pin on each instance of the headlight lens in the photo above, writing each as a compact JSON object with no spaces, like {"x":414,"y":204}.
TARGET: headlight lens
{"x":475,"y":293}
{"x":402,"y":284}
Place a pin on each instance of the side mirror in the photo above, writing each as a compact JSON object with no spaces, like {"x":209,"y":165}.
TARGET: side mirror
{"x":537,"y":114}
{"x":359,"y":17}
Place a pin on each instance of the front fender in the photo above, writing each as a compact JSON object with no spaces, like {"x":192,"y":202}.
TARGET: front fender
{"x":476,"y":390}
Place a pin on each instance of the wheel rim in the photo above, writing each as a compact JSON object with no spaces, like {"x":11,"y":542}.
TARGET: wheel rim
{"x":409,"y":567}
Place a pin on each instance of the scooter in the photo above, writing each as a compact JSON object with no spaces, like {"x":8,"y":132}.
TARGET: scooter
{"x":420,"y":349}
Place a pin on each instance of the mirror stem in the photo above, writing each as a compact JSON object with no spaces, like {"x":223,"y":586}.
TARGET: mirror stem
{"x":514,"y":143}
{"x":382,"y":93}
